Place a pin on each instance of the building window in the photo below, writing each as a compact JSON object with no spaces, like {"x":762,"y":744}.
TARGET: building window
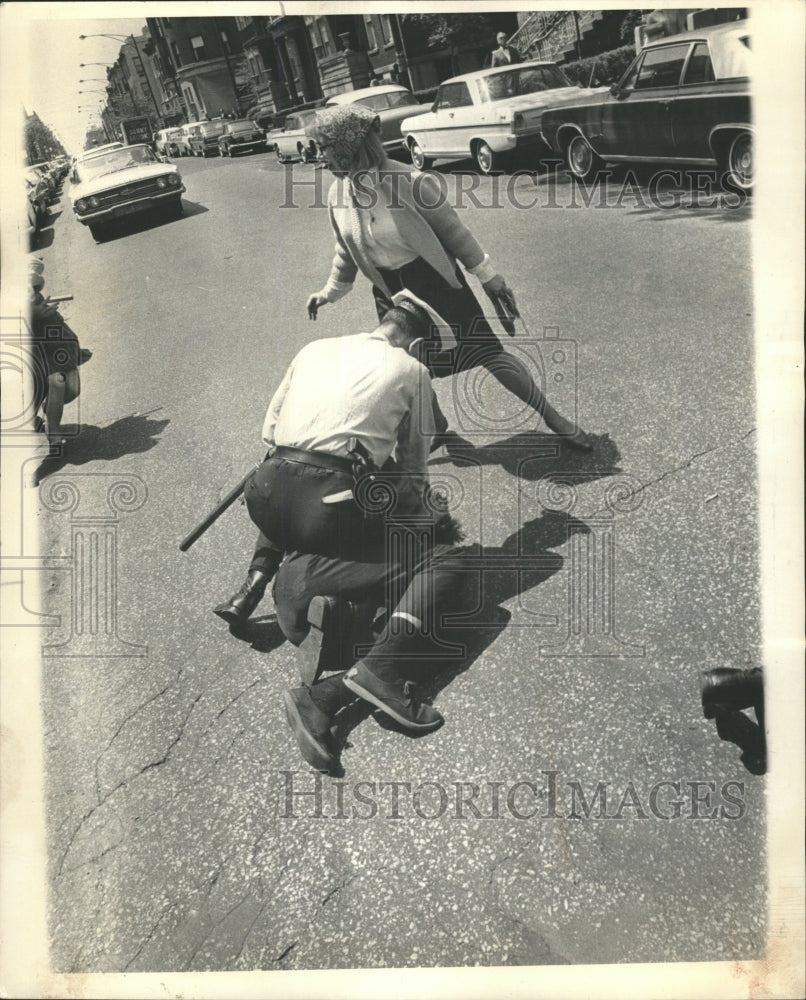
{"x":225,"y":43}
{"x":199,"y":51}
{"x":242,"y":22}
{"x":386,"y":29}
{"x":372,"y":41}
{"x":320,"y":37}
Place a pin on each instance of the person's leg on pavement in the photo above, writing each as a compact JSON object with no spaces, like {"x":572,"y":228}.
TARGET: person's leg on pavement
{"x":303,"y":581}
{"x":478,"y":345}
{"x":264,"y":564}
{"x":385,"y":676}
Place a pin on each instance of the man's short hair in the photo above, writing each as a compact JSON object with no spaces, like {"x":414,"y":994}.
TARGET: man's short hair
{"x":412,"y":319}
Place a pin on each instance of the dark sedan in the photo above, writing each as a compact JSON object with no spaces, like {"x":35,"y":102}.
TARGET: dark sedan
{"x":685,"y":100}
{"x":241,"y":136}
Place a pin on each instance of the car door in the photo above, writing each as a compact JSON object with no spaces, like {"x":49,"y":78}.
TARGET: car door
{"x":637,"y":122}
{"x":705,"y":102}
{"x":448,"y":129}
{"x":287,"y":142}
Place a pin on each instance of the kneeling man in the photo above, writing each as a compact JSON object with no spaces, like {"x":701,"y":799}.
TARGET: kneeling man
{"x":351,"y":427}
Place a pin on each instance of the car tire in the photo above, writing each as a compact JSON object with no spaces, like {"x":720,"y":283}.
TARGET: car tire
{"x":418,"y":157}
{"x":736,"y":166}
{"x":582,"y":162}
{"x":488,"y":161}
{"x":176,"y":209}
{"x":280,"y":156}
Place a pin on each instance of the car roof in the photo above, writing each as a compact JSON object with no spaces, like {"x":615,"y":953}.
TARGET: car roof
{"x":480,"y":74}
{"x":731,"y":28}
{"x":100,"y":149}
{"x":729,"y":61}
{"x":348,"y":96}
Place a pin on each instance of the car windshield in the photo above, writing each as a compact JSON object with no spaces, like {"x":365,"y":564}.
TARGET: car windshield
{"x":526,"y":80}
{"x":400,"y":99}
{"x":115,"y":159}
{"x":242,"y":126}
{"x":212,"y":129}
{"x":375,"y":102}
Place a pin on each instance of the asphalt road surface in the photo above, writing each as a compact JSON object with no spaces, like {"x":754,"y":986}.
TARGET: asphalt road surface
{"x":610,"y":581}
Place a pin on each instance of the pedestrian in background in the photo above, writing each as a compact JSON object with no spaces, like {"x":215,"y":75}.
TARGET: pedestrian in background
{"x":504,"y":55}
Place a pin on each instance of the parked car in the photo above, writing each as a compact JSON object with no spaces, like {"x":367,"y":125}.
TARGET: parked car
{"x":239,"y":136}
{"x":393,"y":104}
{"x":38,"y":196}
{"x":203,"y":139}
{"x":183,"y":140}
{"x":489,"y":115}
{"x":166,"y":141}
{"x":124,"y":181}
{"x":685,"y":99}
{"x":44,"y":171}
{"x":290,"y":142}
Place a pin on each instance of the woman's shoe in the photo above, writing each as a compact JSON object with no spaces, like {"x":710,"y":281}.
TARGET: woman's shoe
{"x":580,"y":441}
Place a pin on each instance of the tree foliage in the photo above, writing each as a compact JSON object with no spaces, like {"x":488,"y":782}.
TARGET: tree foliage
{"x":442,"y":31}
{"x":40,"y":142}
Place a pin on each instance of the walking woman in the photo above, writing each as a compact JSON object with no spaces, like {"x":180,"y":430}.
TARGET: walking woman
{"x":394,"y":225}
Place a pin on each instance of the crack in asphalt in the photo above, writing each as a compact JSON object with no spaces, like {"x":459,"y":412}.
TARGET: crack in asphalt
{"x":217,"y":923}
{"x":118,"y":731}
{"x":681,"y":468}
{"x":165,"y":910}
{"x":147,"y":767}
{"x":347,"y":880}
{"x":283,"y":954}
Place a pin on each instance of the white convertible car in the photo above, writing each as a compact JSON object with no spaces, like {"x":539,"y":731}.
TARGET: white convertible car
{"x":489,"y":115}
{"x":123,"y":181}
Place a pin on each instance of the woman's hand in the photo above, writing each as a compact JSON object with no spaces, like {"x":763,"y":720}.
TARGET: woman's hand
{"x":502,"y":295}
{"x":315,"y":302}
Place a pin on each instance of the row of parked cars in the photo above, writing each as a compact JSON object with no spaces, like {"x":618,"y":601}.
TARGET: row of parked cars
{"x":42,"y":184}
{"x":224,"y":137}
{"x":685,"y":99}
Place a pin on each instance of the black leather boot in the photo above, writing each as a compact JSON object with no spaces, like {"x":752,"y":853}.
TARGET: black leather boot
{"x":240,"y":606}
{"x":726,"y":689}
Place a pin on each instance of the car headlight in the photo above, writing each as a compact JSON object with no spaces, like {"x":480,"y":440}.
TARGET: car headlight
{"x":81,"y":205}
{"x":162,"y":182}
{"x":173,"y":180}
{"x":94,"y":203}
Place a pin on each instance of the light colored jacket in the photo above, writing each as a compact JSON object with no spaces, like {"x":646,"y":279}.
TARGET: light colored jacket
{"x":426,"y":222}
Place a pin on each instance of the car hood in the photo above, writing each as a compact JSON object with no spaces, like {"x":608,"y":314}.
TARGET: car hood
{"x":119,"y":178}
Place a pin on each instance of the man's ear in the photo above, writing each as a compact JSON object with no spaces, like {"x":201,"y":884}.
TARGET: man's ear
{"x":412,"y":348}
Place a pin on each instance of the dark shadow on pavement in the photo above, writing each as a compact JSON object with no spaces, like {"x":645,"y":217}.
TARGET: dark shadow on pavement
{"x":155,"y":219}
{"x":43,"y":238}
{"x":532,"y":456}
{"x":748,"y":736}
{"x":127,"y":436}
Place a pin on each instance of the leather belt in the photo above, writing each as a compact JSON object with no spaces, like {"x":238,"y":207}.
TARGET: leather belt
{"x":320,"y":459}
